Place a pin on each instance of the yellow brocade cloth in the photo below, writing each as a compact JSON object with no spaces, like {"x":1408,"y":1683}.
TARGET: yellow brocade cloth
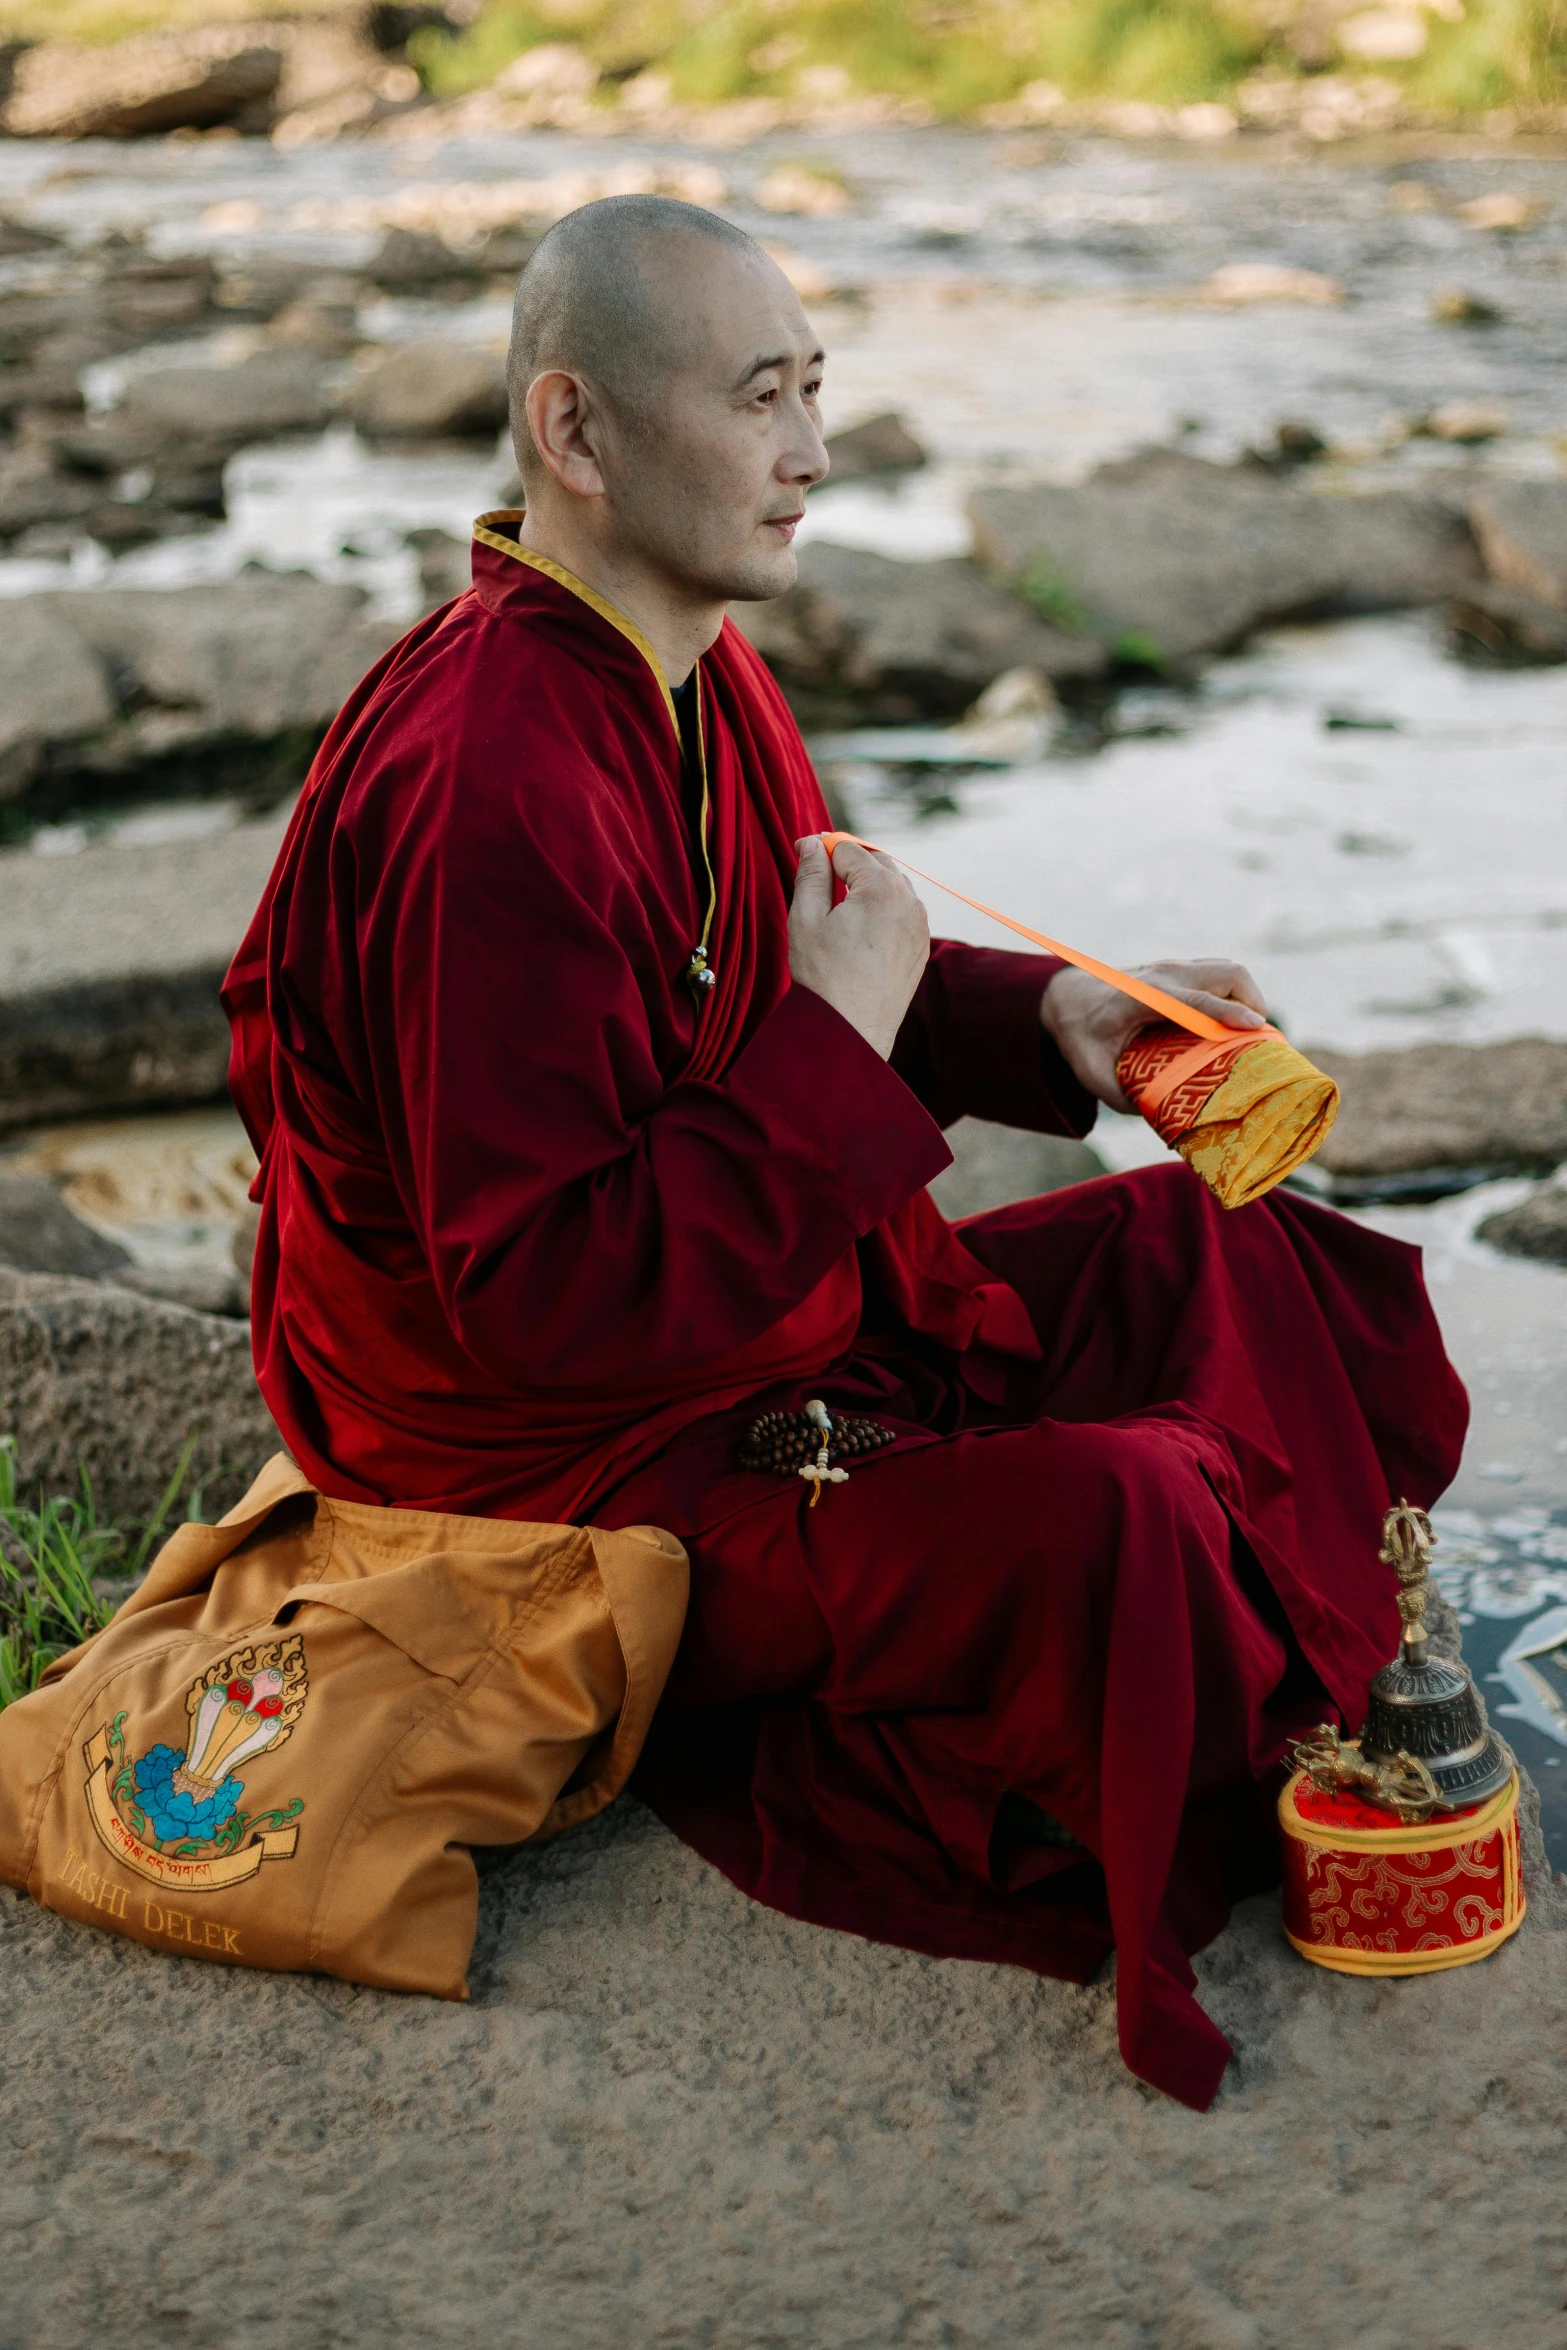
{"x":1243,"y":1112}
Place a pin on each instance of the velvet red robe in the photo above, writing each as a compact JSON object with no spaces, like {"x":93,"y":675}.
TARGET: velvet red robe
{"x":542,"y":1230}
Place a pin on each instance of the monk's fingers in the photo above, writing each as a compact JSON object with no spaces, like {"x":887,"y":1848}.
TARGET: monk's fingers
{"x":812,"y":881}
{"x":867,"y":873}
{"x":1215,"y":985}
{"x":1223,"y":1007}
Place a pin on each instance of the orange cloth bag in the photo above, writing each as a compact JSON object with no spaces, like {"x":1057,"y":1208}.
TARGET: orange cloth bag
{"x":1241,"y":1105}
{"x":280,"y":1749}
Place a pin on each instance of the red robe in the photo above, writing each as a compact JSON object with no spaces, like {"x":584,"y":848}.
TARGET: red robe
{"x":543,"y":1228}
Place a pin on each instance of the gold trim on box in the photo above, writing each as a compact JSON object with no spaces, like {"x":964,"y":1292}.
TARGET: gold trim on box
{"x":1499,"y":1816}
{"x":1429,"y":1836}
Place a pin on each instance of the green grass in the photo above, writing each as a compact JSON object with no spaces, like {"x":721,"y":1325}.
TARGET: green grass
{"x":52,"y":1569}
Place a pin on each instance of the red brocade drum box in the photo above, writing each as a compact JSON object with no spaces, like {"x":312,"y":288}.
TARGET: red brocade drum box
{"x":1368,"y":1895}
{"x":1401,"y":1846}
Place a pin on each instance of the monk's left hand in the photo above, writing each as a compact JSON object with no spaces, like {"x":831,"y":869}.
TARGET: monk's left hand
{"x":1093,"y":1023}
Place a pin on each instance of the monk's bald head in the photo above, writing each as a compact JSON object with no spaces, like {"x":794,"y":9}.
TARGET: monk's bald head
{"x":664,"y":383}
{"x":596,"y":301}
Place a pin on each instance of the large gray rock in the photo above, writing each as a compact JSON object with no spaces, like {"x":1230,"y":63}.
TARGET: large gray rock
{"x":445,"y":565}
{"x":882,"y":444}
{"x":994,"y":1165}
{"x":1498,"y":627}
{"x":143,"y":1040}
{"x":412,"y":261}
{"x":431,"y":390}
{"x":1537,"y":1227}
{"x":1456,"y":1106}
{"x":273,"y":392}
{"x":1522,"y":530}
{"x":26,"y":236}
{"x":110,"y":964}
{"x":1175,"y":557}
{"x":33,"y":490}
{"x":28,"y":320}
{"x":148,"y":294}
{"x":904,"y":640}
{"x":39,"y":1234}
{"x":219,"y":684}
{"x":95,"y":1375}
{"x":54,"y":694}
{"x":153,"y":82}
{"x":111,"y":297}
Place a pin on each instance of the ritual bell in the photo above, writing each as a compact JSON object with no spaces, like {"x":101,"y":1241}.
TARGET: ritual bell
{"x":1423,"y":1709}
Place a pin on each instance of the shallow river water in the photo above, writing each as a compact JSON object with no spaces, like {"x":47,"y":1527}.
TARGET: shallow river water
{"x":1380,"y":832}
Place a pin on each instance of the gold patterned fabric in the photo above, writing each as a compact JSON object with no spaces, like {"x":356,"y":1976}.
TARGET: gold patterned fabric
{"x":1243,"y":1112}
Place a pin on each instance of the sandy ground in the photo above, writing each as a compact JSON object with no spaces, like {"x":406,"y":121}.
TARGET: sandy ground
{"x":669,"y":2117}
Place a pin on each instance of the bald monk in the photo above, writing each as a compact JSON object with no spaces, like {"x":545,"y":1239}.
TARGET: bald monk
{"x":591,"y":1128}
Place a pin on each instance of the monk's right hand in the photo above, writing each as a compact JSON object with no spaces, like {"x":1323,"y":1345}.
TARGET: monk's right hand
{"x":865,"y":956}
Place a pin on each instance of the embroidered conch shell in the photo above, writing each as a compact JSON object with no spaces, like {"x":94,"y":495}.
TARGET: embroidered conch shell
{"x":240,"y":1713}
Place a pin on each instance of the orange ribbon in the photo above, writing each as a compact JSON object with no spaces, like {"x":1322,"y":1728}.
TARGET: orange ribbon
{"x":1169,"y":1007}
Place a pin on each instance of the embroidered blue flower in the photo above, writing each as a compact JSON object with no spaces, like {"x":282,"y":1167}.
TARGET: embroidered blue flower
{"x":174,"y":1815}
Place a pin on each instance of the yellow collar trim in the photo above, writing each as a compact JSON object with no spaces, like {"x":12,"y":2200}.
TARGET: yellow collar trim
{"x":488,"y":537}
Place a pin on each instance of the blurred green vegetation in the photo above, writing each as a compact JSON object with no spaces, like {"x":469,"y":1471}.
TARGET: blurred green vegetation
{"x":954,"y":56}
{"x":1500,"y":53}
{"x":97,"y":21}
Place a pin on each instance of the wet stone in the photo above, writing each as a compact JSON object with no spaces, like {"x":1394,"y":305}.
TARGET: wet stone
{"x":905,"y":640}
{"x":445,"y":565}
{"x":1496,"y":627}
{"x":1448,"y":1109}
{"x":32,"y":490}
{"x":431,"y":390}
{"x":882,"y":444}
{"x":1522,"y":530}
{"x":39,"y":1234}
{"x":1179,"y":558}
{"x":412,"y":261}
{"x":25,"y":236}
{"x":213,"y":687}
{"x":275,"y":392}
{"x":135,"y":88}
{"x":1537,"y":1227}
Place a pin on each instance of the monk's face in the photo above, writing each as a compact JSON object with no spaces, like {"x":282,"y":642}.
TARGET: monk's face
{"x":707,"y":478}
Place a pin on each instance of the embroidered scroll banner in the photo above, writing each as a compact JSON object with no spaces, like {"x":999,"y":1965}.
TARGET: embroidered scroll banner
{"x":1241,"y":1105}
{"x":190,"y":1872}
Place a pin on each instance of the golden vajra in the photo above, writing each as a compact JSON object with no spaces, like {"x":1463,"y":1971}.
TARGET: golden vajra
{"x":1403,"y":1785}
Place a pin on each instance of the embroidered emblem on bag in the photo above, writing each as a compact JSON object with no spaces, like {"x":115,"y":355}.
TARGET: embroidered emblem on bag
{"x":175,"y":1818}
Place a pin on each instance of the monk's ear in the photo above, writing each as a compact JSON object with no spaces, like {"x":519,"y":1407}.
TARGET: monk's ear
{"x":564,"y":426}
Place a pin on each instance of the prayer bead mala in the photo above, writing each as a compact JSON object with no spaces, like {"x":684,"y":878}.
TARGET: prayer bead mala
{"x":811,"y":1444}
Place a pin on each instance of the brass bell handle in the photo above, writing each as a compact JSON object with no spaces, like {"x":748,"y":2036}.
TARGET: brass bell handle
{"x":1407,"y":1544}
